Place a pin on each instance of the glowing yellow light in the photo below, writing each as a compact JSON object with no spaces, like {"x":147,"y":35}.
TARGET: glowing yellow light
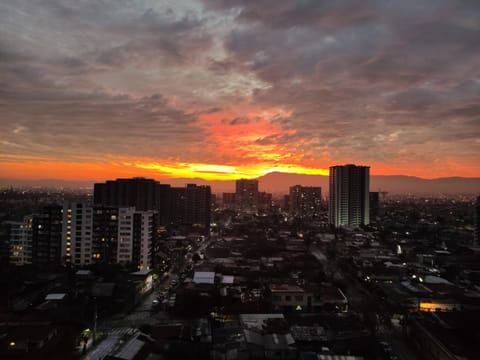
{"x":227,"y":172}
{"x":12,"y":343}
{"x":426,"y":306}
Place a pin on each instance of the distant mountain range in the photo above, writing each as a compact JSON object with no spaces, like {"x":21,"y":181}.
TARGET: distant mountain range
{"x":395,"y":184}
{"x":277,"y":182}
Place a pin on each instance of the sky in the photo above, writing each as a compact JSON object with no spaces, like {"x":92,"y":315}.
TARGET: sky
{"x":227,"y":89}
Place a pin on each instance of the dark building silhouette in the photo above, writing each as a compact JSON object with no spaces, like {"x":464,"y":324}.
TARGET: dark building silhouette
{"x":105,"y":234}
{"x":47,"y":237}
{"x":246,"y":194}
{"x":349,"y":195}
{"x":143,"y":194}
{"x":374,"y":205}
{"x":197,"y":205}
{"x":476,"y":235}
{"x":174,"y":206}
{"x":4,"y":243}
{"x":191,"y":206}
{"x":305,"y":201}
{"x":265,"y":200}
{"x":286,"y":203}
{"x":228,"y":200}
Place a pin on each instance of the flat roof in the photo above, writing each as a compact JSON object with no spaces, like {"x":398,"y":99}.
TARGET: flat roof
{"x":204,"y":277}
{"x":256,"y":321}
{"x":83,"y":272}
{"x":55,"y":296}
{"x":130,"y":350}
{"x":285,"y":288}
{"x":141,"y":272}
{"x":227,"y":279}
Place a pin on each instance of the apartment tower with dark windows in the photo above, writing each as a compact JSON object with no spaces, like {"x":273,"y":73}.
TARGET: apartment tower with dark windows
{"x":305,"y":201}
{"x":191,"y":207}
{"x":476,"y":236}
{"x":246,"y":194}
{"x":142,"y":193}
{"x":47,"y":237}
{"x":374,"y":205}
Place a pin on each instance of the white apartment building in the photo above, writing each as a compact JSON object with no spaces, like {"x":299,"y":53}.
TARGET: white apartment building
{"x":77,"y":234}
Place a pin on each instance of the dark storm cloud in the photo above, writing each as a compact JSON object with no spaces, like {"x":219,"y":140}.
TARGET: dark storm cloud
{"x":292,"y":13}
{"x":372,"y":80}
{"x":87,"y":124}
{"x":107,"y":33}
{"x":50,"y":55}
{"x":364,"y":73}
{"x":279,"y":139}
{"x":236,"y":121}
{"x":176,"y":41}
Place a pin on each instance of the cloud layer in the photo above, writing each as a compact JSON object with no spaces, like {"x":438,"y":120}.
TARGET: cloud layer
{"x":232,"y":84}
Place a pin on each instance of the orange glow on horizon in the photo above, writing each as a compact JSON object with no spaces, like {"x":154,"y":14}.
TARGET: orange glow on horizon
{"x":33,"y":170}
{"x":50,"y":169}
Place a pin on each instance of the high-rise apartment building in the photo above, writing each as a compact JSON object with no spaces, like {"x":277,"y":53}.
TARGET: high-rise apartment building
{"x":20,"y":241}
{"x":105,"y":234}
{"x":374,"y":205}
{"x":47,"y":237}
{"x":476,"y":235}
{"x":349,"y":195}
{"x":77,"y":233}
{"x":136,"y":236}
{"x":198,"y":202}
{"x":142,"y":193}
{"x":246,"y":194}
{"x":305,"y":201}
{"x":191,"y":206}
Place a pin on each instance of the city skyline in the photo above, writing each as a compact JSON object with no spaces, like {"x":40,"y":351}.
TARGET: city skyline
{"x":223,"y":90}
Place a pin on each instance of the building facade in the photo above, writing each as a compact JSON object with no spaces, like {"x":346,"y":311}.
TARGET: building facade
{"x":47,"y":237}
{"x":305,"y":201}
{"x":349,"y":195}
{"x":374,"y":205}
{"x":105,"y":234}
{"x":77,"y":233}
{"x":136,"y":237}
{"x":191,"y":207}
{"x":476,"y":235}
{"x":20,"y":241}
{"x":246,"y":194}
{"x":142,"y":193}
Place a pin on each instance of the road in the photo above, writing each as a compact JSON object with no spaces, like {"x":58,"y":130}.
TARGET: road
{"x":122,"y":326}
{"x":110,"y":344}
